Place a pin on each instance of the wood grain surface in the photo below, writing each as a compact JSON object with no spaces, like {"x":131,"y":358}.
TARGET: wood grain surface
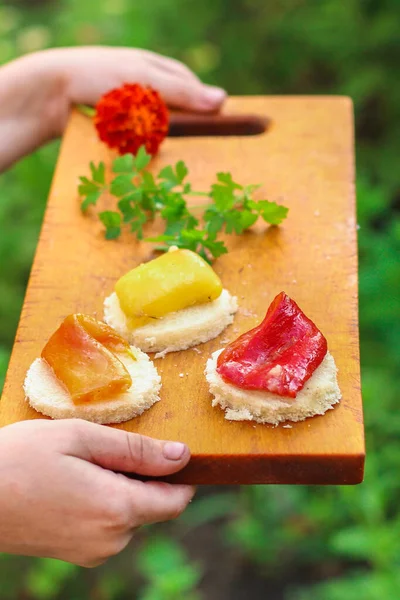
{"x":305,"y":160}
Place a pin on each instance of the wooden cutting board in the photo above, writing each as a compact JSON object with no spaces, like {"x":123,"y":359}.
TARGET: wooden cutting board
{"x":305,"y":159}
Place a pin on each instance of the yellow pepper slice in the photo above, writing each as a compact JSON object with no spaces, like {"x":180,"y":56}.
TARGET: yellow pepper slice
{"x":171,"y":282}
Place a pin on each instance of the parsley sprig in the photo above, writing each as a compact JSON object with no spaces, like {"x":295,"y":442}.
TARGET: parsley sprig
{"x":141,"y":196}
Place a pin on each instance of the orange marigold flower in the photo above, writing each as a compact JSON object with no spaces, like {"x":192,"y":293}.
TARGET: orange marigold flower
{"x":132,"y":116}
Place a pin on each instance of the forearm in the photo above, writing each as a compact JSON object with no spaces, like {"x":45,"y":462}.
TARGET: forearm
{"x":31,"y":106}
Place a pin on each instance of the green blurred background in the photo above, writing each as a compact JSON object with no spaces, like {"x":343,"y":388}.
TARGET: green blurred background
{"x":275,"y":542}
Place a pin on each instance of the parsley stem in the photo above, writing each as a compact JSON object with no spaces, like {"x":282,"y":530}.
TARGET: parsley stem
{"x":142,"y":196}
{"x":193,"y":206}
{"x":88,"y":111}
{"x":193,"y":193}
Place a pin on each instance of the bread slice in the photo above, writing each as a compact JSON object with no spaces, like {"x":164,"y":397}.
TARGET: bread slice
{"x":47,"y":395}
{"x":178,"y":330}
{"x":319,"y":394}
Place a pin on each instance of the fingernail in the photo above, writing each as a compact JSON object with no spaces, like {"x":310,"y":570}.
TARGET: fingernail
{"x":173,"y":450}
{"x":214,"y":95}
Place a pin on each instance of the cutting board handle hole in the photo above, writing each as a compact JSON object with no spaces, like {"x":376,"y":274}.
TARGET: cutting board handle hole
{"x":195,"y":125}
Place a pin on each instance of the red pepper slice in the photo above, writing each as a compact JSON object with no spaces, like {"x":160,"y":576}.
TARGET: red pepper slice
{"x":277,"y":356}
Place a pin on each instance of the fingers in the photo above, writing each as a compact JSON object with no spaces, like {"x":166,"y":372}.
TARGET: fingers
{"x":185,"y":92}
{"x":155,"y":501}
{"x":128,"y":452}
{"x":177,"y":84}
{"x":169,"y":65}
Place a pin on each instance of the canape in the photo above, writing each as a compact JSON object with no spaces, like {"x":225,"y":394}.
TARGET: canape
{"x":171,"y":303}
{"x":88,"y":371}
{"x":279,"y":371}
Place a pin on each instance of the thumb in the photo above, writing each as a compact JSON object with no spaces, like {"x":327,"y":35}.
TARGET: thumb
{"x":119,"y":450}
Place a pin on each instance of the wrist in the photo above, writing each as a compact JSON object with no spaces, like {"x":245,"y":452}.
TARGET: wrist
{"x":48,"y":88}
{"x":33,"y":105}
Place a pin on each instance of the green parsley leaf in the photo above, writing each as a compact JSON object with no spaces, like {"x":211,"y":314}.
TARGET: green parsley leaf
{"x":174,"y":228}
{"x":272,"y":212}
{"x":175,"y":209}
{"x":133,"y":213}
{"x":239,"y":221}
{"x":148,"y":183}
{"x":112,"y":222}
{"x":141,"y":196}
{"x":214,"y":221}
{"x":121,"y":185}
{"x":138,"y":222}
{"x":226,"y":178}
{"x":90,"y":199}
{"x":127,"y":210}
{"x":222,"y":197}
{"x":198,"y":241}
{"x":248,"y":190}
{"x":141,"y":159}
{"x":169,"y":177}
{"x":193,"y":239}
{"x":136,"y":196}
{"x":181,"y":171}
{"x":149,"y":204}
{"x":247,"y":219}
{"x":216,"y":248}
{"x":123,"y":164}
{"x":86,"y":186}
{"x":98,"y":173}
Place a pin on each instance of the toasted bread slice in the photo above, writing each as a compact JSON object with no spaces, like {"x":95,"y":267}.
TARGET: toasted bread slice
{"x":48,"y":396}
{"x":178,"y":330}
{"x":319,"y":394}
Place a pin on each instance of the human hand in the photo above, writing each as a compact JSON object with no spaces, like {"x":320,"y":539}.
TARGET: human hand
{"x":91,"y":71}
{"x":37,"y":90}
{"x":59,"y":496}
